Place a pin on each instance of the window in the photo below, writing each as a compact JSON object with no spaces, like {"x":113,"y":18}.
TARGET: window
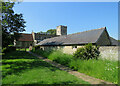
{"x":75,"y":46}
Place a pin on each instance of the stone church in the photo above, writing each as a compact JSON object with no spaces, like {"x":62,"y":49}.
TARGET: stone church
{"x":26,"y":39}
{"x":38,"y":37}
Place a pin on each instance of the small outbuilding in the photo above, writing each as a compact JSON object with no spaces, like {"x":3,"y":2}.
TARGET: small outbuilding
{"x":24,"y":41}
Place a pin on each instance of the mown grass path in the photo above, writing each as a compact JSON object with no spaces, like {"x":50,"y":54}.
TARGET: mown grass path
{"x":75,"y":73}
{"x":21,"y":68}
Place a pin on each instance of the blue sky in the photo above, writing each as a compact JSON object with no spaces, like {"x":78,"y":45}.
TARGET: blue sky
{"x":77,"y":16}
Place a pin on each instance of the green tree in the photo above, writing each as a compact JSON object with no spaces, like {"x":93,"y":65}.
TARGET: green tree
{"x":12,"y":23}
{"x":41,"y":32}
{"x":52,"y":31}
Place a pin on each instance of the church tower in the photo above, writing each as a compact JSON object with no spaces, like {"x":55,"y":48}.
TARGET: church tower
{"x":61,"y":30}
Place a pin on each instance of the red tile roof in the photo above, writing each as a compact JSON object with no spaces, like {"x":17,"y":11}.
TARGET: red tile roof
{"x":25,"y":37}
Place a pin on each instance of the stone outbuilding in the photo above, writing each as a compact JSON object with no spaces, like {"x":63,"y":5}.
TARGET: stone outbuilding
{"x":71,"y":42}
{"x":24,"y":41}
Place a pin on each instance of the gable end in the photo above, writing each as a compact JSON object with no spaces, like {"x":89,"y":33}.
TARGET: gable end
{"x":104,"y":39}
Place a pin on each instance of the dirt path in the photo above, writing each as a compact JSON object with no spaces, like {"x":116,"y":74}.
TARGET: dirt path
{"x":82,"y":76}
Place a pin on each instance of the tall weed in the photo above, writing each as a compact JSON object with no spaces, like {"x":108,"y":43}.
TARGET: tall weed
{"x":60,"y":57}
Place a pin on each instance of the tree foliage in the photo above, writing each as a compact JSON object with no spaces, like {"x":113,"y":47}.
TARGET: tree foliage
{"x":50,"y":31}
{"x":12,"y":23}
{"x":42,"y":32}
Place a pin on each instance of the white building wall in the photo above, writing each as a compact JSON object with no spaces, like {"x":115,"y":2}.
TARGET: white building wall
{"x":106,"y":52}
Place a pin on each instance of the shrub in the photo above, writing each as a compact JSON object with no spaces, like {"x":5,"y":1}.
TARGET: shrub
{"x":8,"y":49}
{"x":37,"y":47}
{"x":87,"y":52}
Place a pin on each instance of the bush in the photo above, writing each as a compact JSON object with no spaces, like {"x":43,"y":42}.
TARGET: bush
{"x":37,"y":47}
{"x":8,"y":49}
{"x":87,"y":52}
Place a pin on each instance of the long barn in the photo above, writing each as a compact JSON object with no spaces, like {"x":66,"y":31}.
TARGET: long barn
{"x":71,"y":42}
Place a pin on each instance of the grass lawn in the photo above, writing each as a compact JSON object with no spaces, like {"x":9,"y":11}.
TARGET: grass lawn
{"x":102,"y":69}
{"x":19,"y":67}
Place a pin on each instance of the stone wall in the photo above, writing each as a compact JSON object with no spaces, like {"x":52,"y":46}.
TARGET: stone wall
{"x":109,"y":52}
{"x":65,"y":49}
{"x":70,"y":49}
{"x":20,"y":44}
{"x":106,"y":52}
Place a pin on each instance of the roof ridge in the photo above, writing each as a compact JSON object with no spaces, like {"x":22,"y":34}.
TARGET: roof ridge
{"x":74,"y":33}
{"x":87,"y":31}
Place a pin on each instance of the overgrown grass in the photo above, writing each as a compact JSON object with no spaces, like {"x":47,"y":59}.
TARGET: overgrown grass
{"x":41,"y":52}
{"x":22,"y":49}
{"x":60,"y":57}
{"x":102,"y":69}
{"x":19,"y":67}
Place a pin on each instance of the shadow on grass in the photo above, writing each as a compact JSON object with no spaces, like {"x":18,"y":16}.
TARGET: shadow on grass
{"x":20,"y":61}
{"x":48,"y":84}
{"x":62,"y":83}
{"x":18,"y":55}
